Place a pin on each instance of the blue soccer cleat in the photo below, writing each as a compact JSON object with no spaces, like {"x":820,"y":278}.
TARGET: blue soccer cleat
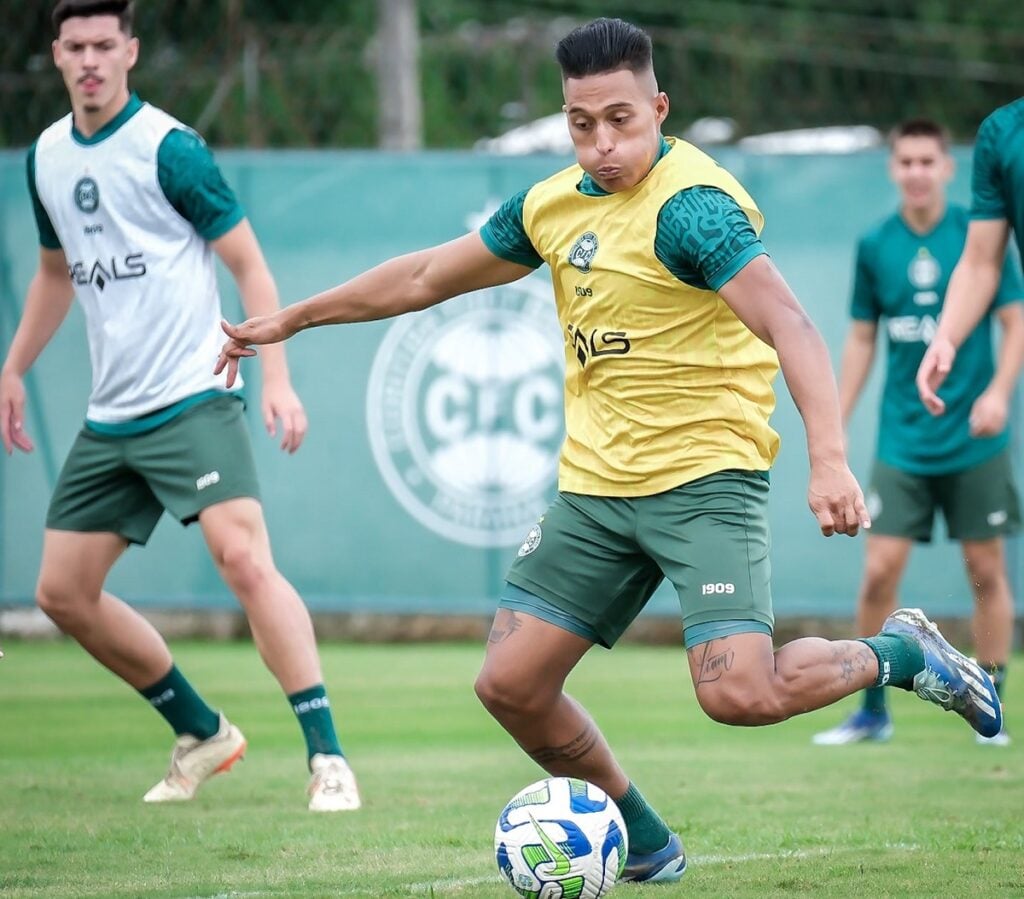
{"x":861,"y":727}
{"x":950,"y":679}
{"x":664,"y":866}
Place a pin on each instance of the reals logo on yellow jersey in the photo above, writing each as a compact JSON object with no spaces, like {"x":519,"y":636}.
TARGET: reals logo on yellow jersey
{"x":583,"y":251}
{"x":597,"y":343}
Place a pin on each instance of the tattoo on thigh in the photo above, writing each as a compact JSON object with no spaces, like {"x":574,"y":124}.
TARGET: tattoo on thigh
{"x":506,"y":623}
{"x":714,"y":662}
{"x":575,"y":749}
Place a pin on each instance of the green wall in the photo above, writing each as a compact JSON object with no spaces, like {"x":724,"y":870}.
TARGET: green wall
{"x":466,"y":436}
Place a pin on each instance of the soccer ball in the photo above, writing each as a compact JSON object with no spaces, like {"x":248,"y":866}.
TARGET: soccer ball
{"x":561,"y":838}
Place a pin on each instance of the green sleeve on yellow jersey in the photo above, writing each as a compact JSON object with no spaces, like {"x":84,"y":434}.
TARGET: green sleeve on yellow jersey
{"x":504,"y":234}
{"x":704,"y":238}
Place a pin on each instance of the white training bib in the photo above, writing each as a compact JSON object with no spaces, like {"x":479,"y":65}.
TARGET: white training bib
{"x":145,"y":278}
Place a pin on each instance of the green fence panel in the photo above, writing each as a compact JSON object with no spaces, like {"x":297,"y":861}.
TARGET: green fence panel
{"x":433,"y":438}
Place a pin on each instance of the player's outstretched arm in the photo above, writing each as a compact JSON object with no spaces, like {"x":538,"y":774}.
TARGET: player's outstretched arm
{"x":46,"y":305}
{"x":403,"y":284}
{"x":240,"y":252}
{"x":971,"y":288}
{"x":762,"y":300}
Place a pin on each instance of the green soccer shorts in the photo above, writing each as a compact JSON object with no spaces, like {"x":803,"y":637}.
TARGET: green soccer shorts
{"x":123,"y":484}
{"x":979,"y":503}
{"x":591,"y":563}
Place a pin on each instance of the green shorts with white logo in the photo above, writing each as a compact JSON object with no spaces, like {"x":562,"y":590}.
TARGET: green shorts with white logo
{"x":593,"y":562}
{"x":123,"y":484}
{"x":980,"y":503}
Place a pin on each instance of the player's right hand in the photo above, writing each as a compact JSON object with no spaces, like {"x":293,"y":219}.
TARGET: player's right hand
{"x":936,"y":364}
{"x":260,"y":330}
{"x":12,"y":414}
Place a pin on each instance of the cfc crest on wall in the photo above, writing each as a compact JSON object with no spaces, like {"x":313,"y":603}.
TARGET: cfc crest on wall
{"x":464,"y":412}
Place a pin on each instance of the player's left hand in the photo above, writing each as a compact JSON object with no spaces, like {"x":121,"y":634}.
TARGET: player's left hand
{"x":836,"y":499}
{"x":989,"y":414}
{"x":281,"y":403}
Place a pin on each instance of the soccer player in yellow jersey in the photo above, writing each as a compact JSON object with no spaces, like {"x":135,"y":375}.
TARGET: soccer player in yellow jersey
{"x":675,"y":323}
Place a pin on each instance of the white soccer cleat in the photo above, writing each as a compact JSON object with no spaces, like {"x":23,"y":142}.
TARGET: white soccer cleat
{"x":332,"y":785}
{"x":195,"y":761}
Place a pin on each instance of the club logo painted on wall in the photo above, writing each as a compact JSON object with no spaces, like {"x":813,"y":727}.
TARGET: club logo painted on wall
{"x":583,"y":251}
{"x":464,"y":412}
{"x":87,"y":195}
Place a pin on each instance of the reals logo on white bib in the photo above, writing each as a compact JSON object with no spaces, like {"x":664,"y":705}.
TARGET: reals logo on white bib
{"x":464,"y":412}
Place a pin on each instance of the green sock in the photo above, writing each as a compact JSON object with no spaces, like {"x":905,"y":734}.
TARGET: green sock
{"x":874,"y":700}
{"x":998,"y":673}
{"x":313,"y":709}
{"x":174,"y":698}
{"x":647,"y":832}
{"x":899,"y":659}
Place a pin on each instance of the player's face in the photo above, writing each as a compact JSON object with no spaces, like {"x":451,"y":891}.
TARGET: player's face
{"x":921,"y":168}
{"x":615,"y":123}
{"x":94,"y":55}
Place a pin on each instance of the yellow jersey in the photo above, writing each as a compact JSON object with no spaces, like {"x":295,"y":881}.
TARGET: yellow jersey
{"x":663,"y":383}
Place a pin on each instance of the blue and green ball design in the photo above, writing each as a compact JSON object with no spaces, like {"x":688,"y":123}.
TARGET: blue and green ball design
{"x":561,"y":838}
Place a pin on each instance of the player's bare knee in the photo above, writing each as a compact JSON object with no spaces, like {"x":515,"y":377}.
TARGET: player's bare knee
{"x":744,"y":705}
{"x":244,"y":567}
{"x":986,"y":577}
{"x":503,"y":694}
{"x":59,"y":601}
{"x":880,"y":581}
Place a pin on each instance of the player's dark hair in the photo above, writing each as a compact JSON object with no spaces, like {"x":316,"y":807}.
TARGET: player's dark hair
{"x":920,"y":127}
{"x":604,"y":45}
{"x":68,"y":9}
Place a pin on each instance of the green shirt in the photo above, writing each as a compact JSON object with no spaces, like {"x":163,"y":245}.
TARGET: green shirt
{"x":997,"y":177}
{"x":901,"y":276}
{"x":703,"y":236}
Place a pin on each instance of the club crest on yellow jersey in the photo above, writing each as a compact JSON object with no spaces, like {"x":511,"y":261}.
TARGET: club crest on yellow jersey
{"x":583,"y":251}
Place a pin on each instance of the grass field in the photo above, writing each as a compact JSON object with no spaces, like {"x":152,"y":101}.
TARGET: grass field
{"x":763,"y":813}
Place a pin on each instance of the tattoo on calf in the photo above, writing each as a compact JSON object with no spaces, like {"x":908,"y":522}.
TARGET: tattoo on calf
{"x":864,"y":658}
{"x":852,"y":662}
{"x":846,"y":670}
{"x":715,"y":662}
{"x":570,"y":752}
{"x":506,"y":623}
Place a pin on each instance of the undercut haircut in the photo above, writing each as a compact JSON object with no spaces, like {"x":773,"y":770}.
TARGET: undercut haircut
{"x":920,"y":127}
{"x":604,"y":45}
{"x":69,"y":9}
